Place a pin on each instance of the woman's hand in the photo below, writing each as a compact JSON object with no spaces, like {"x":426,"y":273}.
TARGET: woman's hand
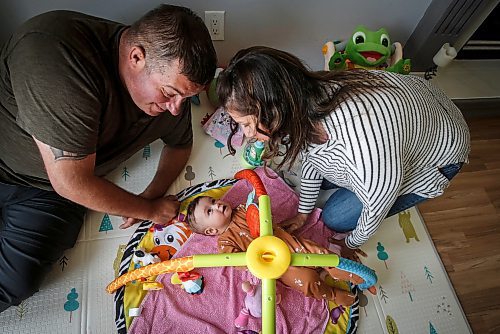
{"x":294,"y":223}
{"x":346,"y":252}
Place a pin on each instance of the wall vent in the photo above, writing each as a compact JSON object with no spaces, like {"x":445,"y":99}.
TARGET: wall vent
{"x":445,"y":21}
{"x":456,"y":17}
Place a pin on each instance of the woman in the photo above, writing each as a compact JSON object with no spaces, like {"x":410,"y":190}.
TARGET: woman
{"x":386,"y":141}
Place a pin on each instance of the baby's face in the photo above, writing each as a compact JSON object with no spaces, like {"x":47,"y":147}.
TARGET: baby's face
{"x":213,"y":214}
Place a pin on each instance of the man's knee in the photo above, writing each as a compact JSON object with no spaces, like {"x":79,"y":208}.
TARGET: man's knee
{"x":8,"y":299}
{"x":15,"y":287}
{"x":34,"y":234}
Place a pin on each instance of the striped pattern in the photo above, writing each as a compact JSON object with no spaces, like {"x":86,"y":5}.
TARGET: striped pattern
{"x":352,"y":326}
{"x":199,"y":188}
{"x":385,"y":144}
{"x":139,"y":233}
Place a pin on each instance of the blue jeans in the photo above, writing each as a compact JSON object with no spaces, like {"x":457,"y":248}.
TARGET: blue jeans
{"x":342,"y":210}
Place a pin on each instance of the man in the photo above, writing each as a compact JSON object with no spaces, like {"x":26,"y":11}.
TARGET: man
{"x":78,"y":96}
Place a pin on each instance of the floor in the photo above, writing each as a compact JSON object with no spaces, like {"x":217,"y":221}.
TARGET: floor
{"x":470,"y":79}
{"x":464,"y":224}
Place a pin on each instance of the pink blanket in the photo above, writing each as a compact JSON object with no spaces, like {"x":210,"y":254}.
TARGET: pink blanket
{"x":171,"y":310}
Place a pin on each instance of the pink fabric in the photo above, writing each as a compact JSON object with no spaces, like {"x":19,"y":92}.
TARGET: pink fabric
{"x":171,"y":310}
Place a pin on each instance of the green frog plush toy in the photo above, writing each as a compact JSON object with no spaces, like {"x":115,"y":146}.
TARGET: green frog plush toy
{"x":366,"y":49}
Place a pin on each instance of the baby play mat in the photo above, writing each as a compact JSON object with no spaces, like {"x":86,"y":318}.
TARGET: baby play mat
{"x":413,"y":291}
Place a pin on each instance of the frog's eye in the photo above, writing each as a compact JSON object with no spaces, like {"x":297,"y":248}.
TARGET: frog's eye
{"x":384,"y":40}
{"x":358,"y":37}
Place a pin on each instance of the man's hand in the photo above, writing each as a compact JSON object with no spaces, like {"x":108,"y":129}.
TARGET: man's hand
{"x":172,"y":161}
{"x":165,"y":208}
{"x":346,"y":252}
{"x":294,"y":223}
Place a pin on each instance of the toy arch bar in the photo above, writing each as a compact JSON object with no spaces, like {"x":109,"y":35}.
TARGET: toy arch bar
{"x":267,"y":258}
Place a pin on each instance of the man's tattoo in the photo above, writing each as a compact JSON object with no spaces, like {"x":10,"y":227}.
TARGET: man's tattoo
{"x":64,"y":155}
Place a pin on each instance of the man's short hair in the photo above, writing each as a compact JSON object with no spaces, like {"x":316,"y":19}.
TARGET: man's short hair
{"x":168,"y":33}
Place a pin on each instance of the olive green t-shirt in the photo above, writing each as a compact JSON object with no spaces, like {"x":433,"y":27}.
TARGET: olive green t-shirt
{"x":59,"y":83}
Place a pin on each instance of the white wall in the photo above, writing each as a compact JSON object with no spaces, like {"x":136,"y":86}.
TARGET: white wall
{"x":298,"y":26}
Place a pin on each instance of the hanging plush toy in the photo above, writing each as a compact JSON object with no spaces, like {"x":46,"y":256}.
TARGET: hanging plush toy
{"x":190,"y":281}
{"x":366,"y":49}
{"x":253,"y":304}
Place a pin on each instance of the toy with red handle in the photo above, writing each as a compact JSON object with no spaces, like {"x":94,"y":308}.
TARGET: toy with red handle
{"x":252,"y":215}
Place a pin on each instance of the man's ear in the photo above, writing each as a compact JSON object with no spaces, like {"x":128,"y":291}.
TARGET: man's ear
{"x":211,"y":231}
{"x":137,"y":57}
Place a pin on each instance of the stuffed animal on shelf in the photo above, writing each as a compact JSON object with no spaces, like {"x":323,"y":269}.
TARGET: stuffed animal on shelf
{"x":366,"y":49}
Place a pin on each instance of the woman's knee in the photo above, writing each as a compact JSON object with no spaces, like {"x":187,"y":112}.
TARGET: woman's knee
{"x":342,"y":211}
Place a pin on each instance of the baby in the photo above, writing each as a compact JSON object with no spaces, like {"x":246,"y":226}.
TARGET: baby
{"x":208,"y":216}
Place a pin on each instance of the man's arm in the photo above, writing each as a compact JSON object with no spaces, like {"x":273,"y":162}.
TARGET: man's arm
{"x":72,"y":176}
{"x":172,"y":162}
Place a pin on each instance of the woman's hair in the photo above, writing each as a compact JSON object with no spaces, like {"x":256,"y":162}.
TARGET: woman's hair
{"x":191,"y":221}
{"x":168,"y":33}
{"x":287,"y":98}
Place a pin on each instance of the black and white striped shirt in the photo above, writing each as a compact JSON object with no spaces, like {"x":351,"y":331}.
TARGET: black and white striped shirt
{"x":383,"y":144}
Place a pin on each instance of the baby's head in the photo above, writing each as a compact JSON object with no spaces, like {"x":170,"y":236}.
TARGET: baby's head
{"x":209,"y":216}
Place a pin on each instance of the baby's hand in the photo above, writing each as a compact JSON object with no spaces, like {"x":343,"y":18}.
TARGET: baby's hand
{"x":346,"y":252}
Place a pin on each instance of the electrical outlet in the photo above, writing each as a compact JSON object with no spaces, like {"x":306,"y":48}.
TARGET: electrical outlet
{"x":214,"y":20}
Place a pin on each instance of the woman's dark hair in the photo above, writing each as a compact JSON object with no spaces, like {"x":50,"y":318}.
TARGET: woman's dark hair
{"x":287,"y":98}
{"x":172,"y":32}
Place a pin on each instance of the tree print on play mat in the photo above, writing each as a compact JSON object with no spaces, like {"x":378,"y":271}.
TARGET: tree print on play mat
{"x":363,"y":301}
{"x":125,"y":173}
{"x":406,"y":286}
{"x":382,"y":294}
{"x":72,"y":304}
{"x":219,"y":145}
{"x":63,"y":262}
{"x":382,"y":254}
{"x":189,"y":175}
{"x":428,"y":274}
{"x":211,"y":173}
{"x":106,"y":224}
{"x":146,"y":152}
{"x":22,"y":309}
{"x":432,"y":330}
{"x":390,"y":323}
